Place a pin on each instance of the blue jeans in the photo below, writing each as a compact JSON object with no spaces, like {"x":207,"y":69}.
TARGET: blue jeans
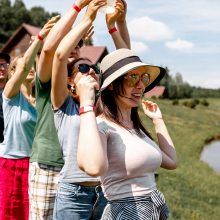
{"x":76,"y":202}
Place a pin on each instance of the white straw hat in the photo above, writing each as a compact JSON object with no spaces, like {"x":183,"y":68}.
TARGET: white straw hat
{"x":121,"y":61}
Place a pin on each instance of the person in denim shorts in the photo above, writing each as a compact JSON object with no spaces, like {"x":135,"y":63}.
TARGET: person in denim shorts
{"x":79,"y":196}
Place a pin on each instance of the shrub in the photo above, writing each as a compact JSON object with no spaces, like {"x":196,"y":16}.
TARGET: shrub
{"x":204,"y":102}
{"x":175,"y":102}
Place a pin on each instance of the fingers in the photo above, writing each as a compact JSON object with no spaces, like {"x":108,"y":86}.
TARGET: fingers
{"x":151,"y":106}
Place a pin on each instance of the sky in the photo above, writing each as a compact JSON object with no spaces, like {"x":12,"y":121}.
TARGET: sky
{"x":183,"y":35}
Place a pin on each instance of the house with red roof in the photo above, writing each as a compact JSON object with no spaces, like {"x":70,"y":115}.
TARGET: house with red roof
{"x":20,"y":41}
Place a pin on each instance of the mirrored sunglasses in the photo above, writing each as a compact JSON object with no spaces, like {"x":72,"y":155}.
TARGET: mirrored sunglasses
{"x":134,"y":78}
{"x":84,"y":68}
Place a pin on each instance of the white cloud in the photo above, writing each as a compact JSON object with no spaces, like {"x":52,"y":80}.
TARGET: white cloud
{"x":180,"y":45}
{"x":145,"y":28}
{"x":139,"y":47}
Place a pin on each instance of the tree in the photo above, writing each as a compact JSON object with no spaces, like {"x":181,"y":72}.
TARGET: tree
{"x":12,"y":16}
{"x":38,"y":16}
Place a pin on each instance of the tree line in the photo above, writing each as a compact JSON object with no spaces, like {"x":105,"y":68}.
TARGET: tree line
{"x":177,"y":88}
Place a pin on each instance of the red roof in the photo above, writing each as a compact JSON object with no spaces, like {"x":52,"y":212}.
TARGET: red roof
{"x":32,"y":30}
{"x":94,"y":53}
{"x":156,"y":91}
{"x":19,"y":33}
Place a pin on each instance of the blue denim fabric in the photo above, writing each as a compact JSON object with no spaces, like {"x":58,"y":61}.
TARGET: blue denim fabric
{"x":75,"y":202}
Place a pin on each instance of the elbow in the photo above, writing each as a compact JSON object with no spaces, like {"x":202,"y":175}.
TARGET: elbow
{"x":60,"y":56}
{"x":169,"y":164}
{"x":172,"y":165}
{"x":93,"y":170}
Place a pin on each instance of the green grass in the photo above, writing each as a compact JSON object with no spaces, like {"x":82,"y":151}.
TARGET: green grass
{"x":192,"y":191}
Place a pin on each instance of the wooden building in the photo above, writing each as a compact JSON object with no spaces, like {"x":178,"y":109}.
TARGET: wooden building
{"x":19,"y":42}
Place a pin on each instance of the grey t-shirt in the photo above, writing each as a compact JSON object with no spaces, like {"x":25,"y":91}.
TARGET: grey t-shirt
{"x":67,"y":123}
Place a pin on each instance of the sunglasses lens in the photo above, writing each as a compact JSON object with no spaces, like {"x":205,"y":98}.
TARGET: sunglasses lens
{"x":96,"y":69}
{"x":84,"y":68}
{"x":133,"y":79}
{"x":145,"y":78}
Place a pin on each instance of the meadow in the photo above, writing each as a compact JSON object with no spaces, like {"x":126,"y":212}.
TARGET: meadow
{"x":192,"y":191}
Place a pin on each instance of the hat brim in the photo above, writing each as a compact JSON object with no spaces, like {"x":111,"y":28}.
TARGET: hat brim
{"x":156,"y":74}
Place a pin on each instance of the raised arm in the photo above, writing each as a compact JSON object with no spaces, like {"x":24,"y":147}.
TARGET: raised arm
{"x":111,"y":25}
{"x":62,"y":27}
{"x":169,"y":160}
{"x":92,"y":150}
{"x":59,"y":91}
{"x":25,"y":63}
{"x":122,"y":24}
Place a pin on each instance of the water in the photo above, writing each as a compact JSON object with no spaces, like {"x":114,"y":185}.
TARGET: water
{"x":211,"y":155}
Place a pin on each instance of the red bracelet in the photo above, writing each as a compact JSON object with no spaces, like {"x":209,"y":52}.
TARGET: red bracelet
{"x":40,"y":37}
{"x":86,"y":108}
{"x":112,"y":30}
{"x":77,"y":8}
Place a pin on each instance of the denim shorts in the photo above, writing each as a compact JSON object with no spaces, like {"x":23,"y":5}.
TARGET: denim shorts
{"x":77,"y":202}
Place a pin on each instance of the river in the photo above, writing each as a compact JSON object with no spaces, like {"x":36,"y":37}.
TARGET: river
{"x":211,"y":155}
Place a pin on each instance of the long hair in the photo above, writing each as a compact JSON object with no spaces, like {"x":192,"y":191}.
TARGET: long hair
{"x":107,"y":106}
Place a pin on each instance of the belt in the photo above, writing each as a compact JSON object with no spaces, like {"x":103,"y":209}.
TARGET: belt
{"x":89,"y":183}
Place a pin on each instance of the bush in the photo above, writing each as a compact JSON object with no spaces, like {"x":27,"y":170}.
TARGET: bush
{"x":204,"y":102}
{"x":190,"y":104}
{"x":196,"y":101}
{"x":175,"y":102}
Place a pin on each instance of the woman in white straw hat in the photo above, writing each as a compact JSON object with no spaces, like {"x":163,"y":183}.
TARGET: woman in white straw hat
{"x":119,"y":149}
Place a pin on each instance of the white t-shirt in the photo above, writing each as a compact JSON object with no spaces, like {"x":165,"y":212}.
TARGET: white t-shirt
{"x":132,"y":162}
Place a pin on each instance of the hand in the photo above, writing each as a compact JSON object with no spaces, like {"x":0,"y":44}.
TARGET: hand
{"x":47,"y":27}
{"x":113,"y":17}
{"x":151,"y":109}
{"x":82,"y":3}
{"x":123,"y":12}
{"x":85,"y":88}
{"x":87,"y":36}
{"x":93,"y":7}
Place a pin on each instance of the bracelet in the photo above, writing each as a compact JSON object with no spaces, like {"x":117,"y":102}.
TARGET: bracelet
{"x":40,"y":37}
{"x":77,"y":8}
{"x":86,"y":108}
{"x":112,"y":30}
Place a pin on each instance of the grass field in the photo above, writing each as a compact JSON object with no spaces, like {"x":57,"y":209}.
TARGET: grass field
{"x":192,"y":191}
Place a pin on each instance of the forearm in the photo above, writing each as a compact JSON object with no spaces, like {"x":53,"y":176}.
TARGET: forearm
{"x":91,"y":155}
{"x":22,"y":69}
{"x":57,"y":33}
{"x":123,"y":30}
{"x":71,"y":40}
{"x":118,"y":41}
{"x":164,"y":140}
{"x":62,"y":27}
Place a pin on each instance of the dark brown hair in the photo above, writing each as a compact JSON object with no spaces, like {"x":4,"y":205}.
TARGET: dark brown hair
{"x":107,"y":106}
